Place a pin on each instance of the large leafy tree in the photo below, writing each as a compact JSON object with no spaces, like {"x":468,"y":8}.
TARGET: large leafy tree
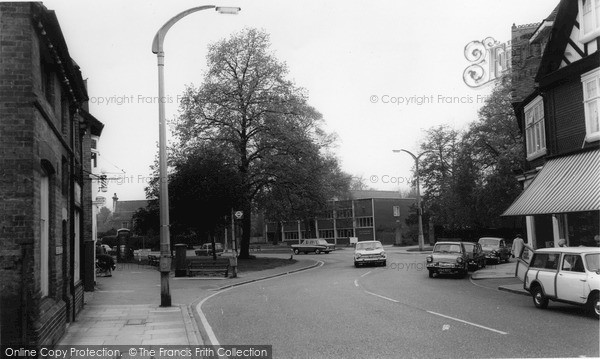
{"x":469,"y":177}
{"x":249,"y":110}
{"x":499,"y":152}
{"x":303,"y":188}
{"x":202,"y":189}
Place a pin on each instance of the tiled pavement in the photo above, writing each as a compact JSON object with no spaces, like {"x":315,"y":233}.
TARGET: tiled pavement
{"x":125,"y":308}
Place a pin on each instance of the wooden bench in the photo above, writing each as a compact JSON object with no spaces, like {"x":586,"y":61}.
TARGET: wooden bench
{"x":153,"y":260}
{"x":201,"y":265}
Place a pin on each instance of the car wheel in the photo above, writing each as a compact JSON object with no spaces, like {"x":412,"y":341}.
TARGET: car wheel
{"x":317,"y":251}
{"x":594,"y":305}
{"x":384,"y":263}
{"x":483,"y":263}
{"x":356,"y":264}
{"x":296,"y":251}
{"x":539,"y":299}
{"x":431,"y":274}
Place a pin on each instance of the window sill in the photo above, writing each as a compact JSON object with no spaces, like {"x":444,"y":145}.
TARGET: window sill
{"x":590,"y":36}
{"x":593,"y":137}
{"x":535,"y":155}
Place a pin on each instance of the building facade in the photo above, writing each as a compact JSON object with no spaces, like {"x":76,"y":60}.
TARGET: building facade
{"x":45,"y":194}
{"x":369,"y":215}
{"x":560,"y":124}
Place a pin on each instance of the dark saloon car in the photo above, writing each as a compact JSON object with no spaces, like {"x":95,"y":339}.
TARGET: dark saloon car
{"x":475,"y":253}
{"x":317,"y":245}
{"x":448,"y":258}
{"x":495,"y":249}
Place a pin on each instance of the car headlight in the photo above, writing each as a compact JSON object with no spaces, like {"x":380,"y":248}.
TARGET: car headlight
{"x":357,"y":255}
{"x":495,"y":252}
{"x":429,"y":259}
{"x":382,"y":254}
{"x":459,"y":260}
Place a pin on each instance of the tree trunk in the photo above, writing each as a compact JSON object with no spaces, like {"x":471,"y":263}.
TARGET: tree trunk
{"x":214,"y":248}
{"x":246,"y":228}
{"x":277,"y":238}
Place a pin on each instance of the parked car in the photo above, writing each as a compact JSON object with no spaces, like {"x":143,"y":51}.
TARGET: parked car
{"x":448,"y":258}
{"x":207,"y":249}
{"x":495,"y":249}
{"x":369,"y":252}
{"x":313,"y":245}
{"x":564,"y":274}
{"x":475,"y":254}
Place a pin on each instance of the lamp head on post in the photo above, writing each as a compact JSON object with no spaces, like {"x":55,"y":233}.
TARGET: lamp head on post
{"x":157,"y":43}
{"x":228,"y":10}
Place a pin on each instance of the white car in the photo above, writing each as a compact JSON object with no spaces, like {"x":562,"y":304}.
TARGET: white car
{"x":369,"y":252}
{"x":565,"y":274}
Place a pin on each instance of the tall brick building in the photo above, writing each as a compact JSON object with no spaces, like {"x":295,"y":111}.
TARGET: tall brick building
{"x":46,"y":246}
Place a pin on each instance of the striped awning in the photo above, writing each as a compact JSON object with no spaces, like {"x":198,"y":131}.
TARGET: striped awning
{"x":566,"y":184}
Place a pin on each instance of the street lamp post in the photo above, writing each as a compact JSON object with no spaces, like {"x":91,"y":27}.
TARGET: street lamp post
{"x":419,"y":209}
{"x":157,"y":48}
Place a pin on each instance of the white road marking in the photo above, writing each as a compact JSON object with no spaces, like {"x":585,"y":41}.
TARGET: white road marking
{"x":469,"y":323}
{"x":366,"y":273}
{"x":356,"y":282}
{"x":438,"y":314}
{"x":382,"y":297}
{"x":211,"y":334}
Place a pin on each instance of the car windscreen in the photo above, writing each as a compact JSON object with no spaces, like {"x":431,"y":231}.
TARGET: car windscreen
{"x":592,"y":261}
{"x":489,"y":242}
{"x":447,"y":248}
{"x":322,"y":241}
{"x":368,"y":246}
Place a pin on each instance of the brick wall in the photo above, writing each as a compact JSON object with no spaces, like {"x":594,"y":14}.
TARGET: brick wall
{"x":16,"y":185}
{"x":34,"y":140}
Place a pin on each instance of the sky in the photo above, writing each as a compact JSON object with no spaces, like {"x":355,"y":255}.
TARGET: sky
{"x":380,"y":72}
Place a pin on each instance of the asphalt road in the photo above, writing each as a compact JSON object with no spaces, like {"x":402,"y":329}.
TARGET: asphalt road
{"x":338,"y":311}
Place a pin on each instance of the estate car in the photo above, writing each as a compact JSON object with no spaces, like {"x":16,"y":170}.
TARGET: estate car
{"x":570,"y":275}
